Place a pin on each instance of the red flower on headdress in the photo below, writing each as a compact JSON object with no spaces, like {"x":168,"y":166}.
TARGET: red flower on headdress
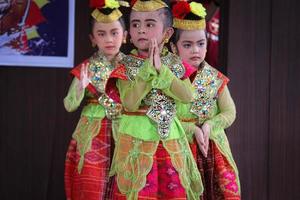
{"x":181,"y":9}
{"x":132,"y":2}
{"x":97,"y":3}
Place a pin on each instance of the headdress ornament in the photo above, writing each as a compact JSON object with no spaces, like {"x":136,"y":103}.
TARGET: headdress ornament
{"x":107,"y":11}
{"x":188,"y":16}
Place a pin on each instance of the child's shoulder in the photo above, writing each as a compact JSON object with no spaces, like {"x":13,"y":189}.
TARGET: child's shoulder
{"x":207,"y":68}
{"x":210,"y":73}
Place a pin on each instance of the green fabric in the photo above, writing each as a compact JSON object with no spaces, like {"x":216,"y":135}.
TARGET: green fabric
{"x":179,"y":90}
{"x":220,"y":139}
{"x":164,"y":79}
{"x":132,"y":166}
{"x":186,"y":167}
{"x":226,"y":112}
{"x":73,"y":99}
{"x":133,"y":92}
{"x":221,"y":116}
{"x":142,"y":127}
{"x":147,"y":72}
{"x":89,"y":123}
{"x":144,"y":130}
{"x":189,"y":129}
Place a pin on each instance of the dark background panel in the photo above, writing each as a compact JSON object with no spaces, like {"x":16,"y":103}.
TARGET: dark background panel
{"x":248,"y":67}
{"x":285,"y":102}
{"x":260,"y":53}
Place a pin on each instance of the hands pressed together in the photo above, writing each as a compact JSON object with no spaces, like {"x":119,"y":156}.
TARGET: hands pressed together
{"x":202,"y":137}
{"x":154,"y":54}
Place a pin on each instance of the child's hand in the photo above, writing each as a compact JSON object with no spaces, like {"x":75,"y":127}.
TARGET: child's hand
{"x":154,"y":54}
{"x":200,"y":140}
{"x":206,"y":133}
{"x":84,"y":76}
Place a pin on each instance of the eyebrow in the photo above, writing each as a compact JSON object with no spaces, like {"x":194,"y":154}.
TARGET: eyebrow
{"x":135,"y":20}
{"x":147,"y":20}
{"x":114,"y":29}
{"x":150,"y":20}
{"x":192,"y":41}
{"x":103,"y":31}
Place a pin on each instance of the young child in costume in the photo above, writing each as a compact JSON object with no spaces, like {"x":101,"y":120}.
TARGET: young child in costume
{"x":212,"y":109}
{"x":152,"y":157}
{"x":89,"y":154}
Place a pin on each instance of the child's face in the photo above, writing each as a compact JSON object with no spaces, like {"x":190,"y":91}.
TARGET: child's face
{"x":192,"y":46}
{"x":108,"y":37}
{"x":144,"y":26}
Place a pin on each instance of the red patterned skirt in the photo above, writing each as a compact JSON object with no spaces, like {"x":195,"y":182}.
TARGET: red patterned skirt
{"x":92,"y":182}
{"x":218,"y":177}
{"x":162,"y":181}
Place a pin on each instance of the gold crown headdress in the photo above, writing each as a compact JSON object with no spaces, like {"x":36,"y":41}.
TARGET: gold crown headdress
{"x":147,"y":5}
{"x":107,"y":17}
{"x":182,"y":9}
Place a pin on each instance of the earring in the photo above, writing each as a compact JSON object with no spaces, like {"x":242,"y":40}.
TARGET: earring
{"x":124,"y":41}
{"x":166,"y":40}
{"x":173,"y":48}
{"x":130,"y":40}
{"x":93,"y":45}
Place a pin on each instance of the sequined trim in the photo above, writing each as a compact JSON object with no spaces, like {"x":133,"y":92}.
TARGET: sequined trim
{"x":174,"y":63}
{"x":100,"y":69}
{"x":162,"y":111}
{"x":132,"y":64}
{"x":206,"y":86}
{"x":162,"y":108}
{"x":112,"y":109}
{"x":171,"y":60}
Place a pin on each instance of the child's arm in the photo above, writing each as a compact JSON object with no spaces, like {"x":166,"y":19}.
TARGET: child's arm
{"x":227,"y":111}
{"x":180,"y":90}
{"x":189,"y":129}
{"x":133,"y":92}
{"x":74,"y":96}
{"x":166,"y":80}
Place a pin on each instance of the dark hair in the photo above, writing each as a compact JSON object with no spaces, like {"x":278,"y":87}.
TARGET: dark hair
{"x":177,"y":32}
{"x":176,"y":36}
{"x":168,"y":18}
{"x":105,"y":11}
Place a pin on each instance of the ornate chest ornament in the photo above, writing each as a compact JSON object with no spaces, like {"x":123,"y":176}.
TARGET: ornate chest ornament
{"x":206,"y":85}
{"x":162,"y":108}
{"x":100,"y":69}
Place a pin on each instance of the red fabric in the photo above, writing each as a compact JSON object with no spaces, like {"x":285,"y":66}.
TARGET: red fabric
{"x":225,"y":81}
{"x":132,"y":2}
{"x":112,"y":91}
{"x":91,"y":183}
{"x":162,"y":181}
{"x":76,"y":72}
{"x":181,"y":9}
{"x":119,"y":72}
{"x":212,"y":28}
{"x":97,"y":3}
{"x":24,"y":41}
{"x":218,"y":177}
{"x":189,"y":70}
{"x":35,"y":15}
{"x":111,"y":88}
